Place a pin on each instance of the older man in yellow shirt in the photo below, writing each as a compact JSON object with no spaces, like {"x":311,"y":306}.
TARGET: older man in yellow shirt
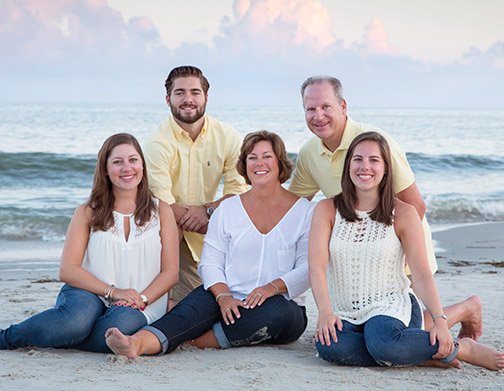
{"x":187,"y":156}
{"x":320,"y":165}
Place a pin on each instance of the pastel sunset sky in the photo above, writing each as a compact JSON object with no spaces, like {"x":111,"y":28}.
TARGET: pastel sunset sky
{"x":389,"y":53}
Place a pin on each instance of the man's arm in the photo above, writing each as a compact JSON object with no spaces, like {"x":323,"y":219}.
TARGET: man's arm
{"x":302,"y":183}
{"x":411,"y":195}
{"x":195,"y":218}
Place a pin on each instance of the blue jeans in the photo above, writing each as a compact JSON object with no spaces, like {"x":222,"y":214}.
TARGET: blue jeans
{"x":276,"y":321}
{"x":382,"y":341}
{"x":78,"y":320}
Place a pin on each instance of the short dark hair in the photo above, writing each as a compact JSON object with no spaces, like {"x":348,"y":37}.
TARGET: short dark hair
{"x":335,"y":83}
{"x":250,"y":140}
{"x":346,"y":200}
{"x":185,"y":71}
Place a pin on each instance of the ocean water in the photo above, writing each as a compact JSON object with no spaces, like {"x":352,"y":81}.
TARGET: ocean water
{"x":48,"y":153}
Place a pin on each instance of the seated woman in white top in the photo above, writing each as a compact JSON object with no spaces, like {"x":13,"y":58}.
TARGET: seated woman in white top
{"x":254,"y":266}
{"x":119,"y":260}
{"x":368,"y":315}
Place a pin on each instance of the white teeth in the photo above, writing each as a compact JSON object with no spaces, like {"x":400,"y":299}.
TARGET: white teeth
{"x":260,"y":172}
{"x":365,"y":176}
{"x":127,"y":177}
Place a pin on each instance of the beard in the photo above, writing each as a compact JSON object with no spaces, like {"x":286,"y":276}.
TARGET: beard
{"x":187,"y":118}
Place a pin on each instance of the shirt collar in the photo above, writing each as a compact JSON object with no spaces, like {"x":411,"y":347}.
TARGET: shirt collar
{"x":349,"y":134}
{"x":181,"y":133}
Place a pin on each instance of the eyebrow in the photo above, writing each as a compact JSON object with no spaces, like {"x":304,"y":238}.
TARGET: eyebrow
{"x":374,"y":156}
{"x":119,"y":157}
{"x":187,"y":89}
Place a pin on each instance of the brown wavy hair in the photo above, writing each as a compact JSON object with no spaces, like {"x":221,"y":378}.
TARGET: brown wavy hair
{"x":186,"y":71}
{"x":101,"y":200}
{"x":346,"y":200}
{"x":250,"y":140}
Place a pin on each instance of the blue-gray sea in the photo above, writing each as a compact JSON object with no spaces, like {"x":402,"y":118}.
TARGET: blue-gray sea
{"x":48,"y":153}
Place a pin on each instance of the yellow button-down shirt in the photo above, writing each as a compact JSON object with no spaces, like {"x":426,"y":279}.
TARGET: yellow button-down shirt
{"x":189,"y":172}
{"x":317,"y":168}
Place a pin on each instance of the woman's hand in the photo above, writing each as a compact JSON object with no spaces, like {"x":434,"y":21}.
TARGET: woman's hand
{"x":259,"y":295}
{"x":229,"y":307}
{"x":325,"y":328}
{"x":127,"y":298}
{"x":441,"y":333}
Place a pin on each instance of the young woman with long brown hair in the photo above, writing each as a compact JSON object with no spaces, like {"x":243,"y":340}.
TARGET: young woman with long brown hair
{"x":119,"y":259}
{"x":359,"y":241}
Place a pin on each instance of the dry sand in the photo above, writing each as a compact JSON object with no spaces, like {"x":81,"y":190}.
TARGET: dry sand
{"x":471,"y":263}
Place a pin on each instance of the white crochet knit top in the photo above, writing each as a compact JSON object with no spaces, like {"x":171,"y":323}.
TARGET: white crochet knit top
{"x":366,"y":271}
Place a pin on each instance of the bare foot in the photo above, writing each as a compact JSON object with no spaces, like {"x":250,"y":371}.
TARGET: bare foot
{"x":481,"y":355}
{"x":438,"y":364}
{"x":122,"y":345}
{"x":473,"y":326}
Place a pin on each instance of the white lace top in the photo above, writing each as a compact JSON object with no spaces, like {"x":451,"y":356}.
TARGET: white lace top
{"x":131,"y":263}
{"x":366,"y":271}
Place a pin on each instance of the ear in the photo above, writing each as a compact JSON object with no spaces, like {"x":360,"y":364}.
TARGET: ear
{"x":168,"y":100}
{"x":343,"y":106}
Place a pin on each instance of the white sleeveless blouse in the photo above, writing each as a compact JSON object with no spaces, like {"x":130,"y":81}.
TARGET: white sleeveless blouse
{"x":132,"y":263}
{"x":366,"y":271}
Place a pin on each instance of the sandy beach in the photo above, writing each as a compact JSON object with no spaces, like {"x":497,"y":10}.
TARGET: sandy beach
{"x":471,"y":261}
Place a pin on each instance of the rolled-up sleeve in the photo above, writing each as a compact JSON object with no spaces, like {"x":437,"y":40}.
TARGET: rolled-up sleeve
{"x":158,"y":157}
{"x":233,"y":182}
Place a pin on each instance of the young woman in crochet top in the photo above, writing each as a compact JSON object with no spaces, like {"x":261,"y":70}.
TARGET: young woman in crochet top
{"x":359,"y":241}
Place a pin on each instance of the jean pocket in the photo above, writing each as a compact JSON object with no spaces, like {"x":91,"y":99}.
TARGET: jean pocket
{"x":286,"y":259}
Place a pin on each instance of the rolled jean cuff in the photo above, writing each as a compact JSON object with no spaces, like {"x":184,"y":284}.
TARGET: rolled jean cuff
{"x":160,"y":336}
{"x":448,"y":359}
{"x":221,"y":337}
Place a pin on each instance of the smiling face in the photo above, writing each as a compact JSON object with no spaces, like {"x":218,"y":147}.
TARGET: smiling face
{"x":367,"y":166}
{"x":262,"y":164}
{"x":325,"y":114}
{"x":187,"y":100}
{"x":124,"y":167}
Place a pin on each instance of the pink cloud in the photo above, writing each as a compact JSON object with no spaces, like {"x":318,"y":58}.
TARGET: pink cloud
{"x":70,"y":31}
{"x":277,"y":26}
{"x":376,"y":39}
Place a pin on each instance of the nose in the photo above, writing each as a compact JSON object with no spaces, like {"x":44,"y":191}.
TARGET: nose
{"x":318,"y":113}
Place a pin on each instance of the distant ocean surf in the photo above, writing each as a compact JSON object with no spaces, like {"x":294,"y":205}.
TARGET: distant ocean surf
{"x":48,"y":153}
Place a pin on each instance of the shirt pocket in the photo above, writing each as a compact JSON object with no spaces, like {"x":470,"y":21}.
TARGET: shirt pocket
{"x":286,"y":259}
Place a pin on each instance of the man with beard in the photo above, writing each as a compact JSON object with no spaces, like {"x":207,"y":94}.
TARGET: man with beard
{"x":187,"y":155}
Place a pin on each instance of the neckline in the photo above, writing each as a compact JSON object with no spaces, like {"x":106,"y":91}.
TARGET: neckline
{"x":122,"y":214}
{"x":276,"y":225}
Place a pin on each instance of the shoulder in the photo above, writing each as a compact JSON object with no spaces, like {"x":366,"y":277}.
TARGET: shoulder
{"x":325,"y":206}
{"x":325,"y":210}
{"x":83,"y":215}
{"x":162,"y":135}
{"x":309,"y":152}
{"x":310,"y":146}
{"x":404,"y":214}
{"x":230,"y":203}
{"x":164,"y":209}
{"x":222,"y":127}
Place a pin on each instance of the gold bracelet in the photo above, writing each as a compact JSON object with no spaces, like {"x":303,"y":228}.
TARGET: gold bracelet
{"x":108,"y":293}
{"x":221,"y":295}
{"x":277,"y":291}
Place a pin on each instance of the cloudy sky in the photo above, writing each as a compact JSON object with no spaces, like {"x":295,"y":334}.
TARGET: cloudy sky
{"x":388,"y":53}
